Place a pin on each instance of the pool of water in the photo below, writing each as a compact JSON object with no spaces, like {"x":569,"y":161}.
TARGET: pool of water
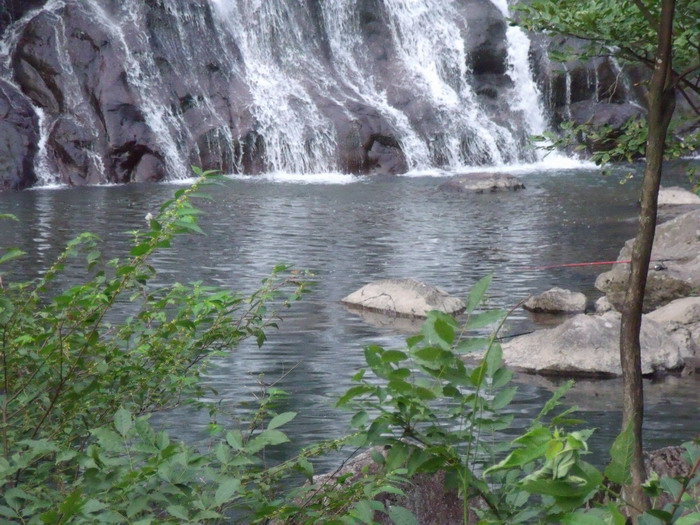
{"x":351,"y":231}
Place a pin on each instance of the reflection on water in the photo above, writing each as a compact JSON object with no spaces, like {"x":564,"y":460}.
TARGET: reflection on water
{"x":351,"y":234}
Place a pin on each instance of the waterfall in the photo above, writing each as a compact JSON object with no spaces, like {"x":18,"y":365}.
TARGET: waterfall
{"x":254,"y":86}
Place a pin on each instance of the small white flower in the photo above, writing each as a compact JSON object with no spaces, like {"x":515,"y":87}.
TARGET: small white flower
{"x":149,"y":217}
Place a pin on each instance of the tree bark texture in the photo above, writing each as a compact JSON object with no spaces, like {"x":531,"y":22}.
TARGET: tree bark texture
{"x":661,"y":107}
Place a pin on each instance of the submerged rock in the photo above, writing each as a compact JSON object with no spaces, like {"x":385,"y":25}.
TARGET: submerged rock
{"x":589,"y":346}
{"x":482,"y":183}
{"x":556,"y":300}
{"x":404,"y":297}
{"x":675,"y":272}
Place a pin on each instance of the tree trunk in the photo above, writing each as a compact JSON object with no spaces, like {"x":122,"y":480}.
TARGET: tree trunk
{"x":661,"y":107}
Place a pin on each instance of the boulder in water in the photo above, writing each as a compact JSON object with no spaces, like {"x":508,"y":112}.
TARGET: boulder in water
{"x":403,"y":297}
{"x":677,"y":196}
{"x":482,"y":183}
{"x":556,"y":300}
{"x":675,"y":272}
{"x":681,"y":319}
{"x":588,"y":345}
{"x":602,"y":305}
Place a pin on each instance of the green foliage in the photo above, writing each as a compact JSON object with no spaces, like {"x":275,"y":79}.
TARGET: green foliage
{"x":79,"y":381}
{"x":627,"y":30}
{"x":434,"y":411}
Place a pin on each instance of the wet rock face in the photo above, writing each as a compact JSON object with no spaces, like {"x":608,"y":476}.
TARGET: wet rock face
{"x":134,"y":91}
{"x":486,"y":43}
{"x":19,"y":135}
{"x":13,"y":10}
{"x":98,"y":131}
{"x":596,"y":90}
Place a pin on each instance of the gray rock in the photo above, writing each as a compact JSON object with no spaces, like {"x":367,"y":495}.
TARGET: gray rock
{"x":556,"y":300}
{"x":681,"y":319}
{"x":677,"y":196}
{"x":589,"y":346}
{"x":602,"y":305}
{"x":19,"y":136}
{"x":482,"y":183}
{"x":404,"y":297}
{"x":677,"y":245}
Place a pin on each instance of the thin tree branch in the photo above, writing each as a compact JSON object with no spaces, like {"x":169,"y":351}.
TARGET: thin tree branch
{"x":653,"y":22}
{"x":689,"y":101}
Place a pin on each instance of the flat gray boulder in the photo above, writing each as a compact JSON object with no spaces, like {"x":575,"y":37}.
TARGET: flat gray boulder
{"x":482,"y":183}
{"x":677,"y":196}
{"x":676,"y":272}
{"x":588,"y":345}
{"x":404,"y":297}
{"x":555,"y":301}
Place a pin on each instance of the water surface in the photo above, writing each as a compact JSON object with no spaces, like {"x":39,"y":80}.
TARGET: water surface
{"x":352,"y":233}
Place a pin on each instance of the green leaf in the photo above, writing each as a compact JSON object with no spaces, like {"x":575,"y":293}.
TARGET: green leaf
{"x":472,"y":344}
{"x":354,"y":392}
{"x":672,"y":486}
{"x":429,"y":354}
{"x":485,"y":319}
{"x":401,"y":516}
{"x":503,"y":398}
{"x":227,"y":488}
{"x":140,"y":249}
{"x":494,"y":359}
{"x":178,"y":511}
{"x":108,"y":439}
{"x":582,"y":518}
{"x":72,"y":505}
{"x":359,"y":420}
{"x":281,"y":419}
{"x":689,"y":519}
{"x":394,"y":356}
{"x":190,"y":226}
{"x":439,"y":329}
{"x":621,"y":455}
{"x":122,"y":421}
{"x":363,"y":511}
{"x":554,"y":400}
{"x":11,"y":254}
{"x":235,"y":439}
{"x":264,"y":439}
{"x":476,"y":295}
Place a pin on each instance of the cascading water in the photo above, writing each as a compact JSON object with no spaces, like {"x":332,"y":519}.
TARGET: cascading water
{"x":526,"y":95}
{"x":130,"y":90}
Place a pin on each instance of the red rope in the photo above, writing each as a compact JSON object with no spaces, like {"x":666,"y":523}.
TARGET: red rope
{"x":573,"y":265}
